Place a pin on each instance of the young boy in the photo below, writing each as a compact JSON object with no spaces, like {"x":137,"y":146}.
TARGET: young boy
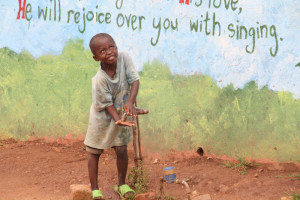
{"x":114,"y":87}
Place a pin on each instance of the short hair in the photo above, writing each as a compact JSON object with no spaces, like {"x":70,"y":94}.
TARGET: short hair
{"x":99,"y":35}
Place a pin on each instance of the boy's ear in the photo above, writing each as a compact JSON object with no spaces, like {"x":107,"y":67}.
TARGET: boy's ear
{"x":95,"y":58}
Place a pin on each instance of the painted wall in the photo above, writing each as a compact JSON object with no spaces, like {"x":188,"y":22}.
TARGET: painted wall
{"x":221,"y":74}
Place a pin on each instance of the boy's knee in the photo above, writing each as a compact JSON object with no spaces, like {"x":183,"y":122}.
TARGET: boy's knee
{"x":121,"y":151}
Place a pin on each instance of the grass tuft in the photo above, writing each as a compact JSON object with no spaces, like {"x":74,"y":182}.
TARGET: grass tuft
{"x":138,"y":178}
{"x":242,"y":165}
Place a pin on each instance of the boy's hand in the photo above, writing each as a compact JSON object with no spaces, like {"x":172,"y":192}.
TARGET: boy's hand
{"x":129,"y":109}
{"x":125,"y":123}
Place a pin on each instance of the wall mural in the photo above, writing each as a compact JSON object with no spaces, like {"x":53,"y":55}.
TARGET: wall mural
{"x":220,"y":74}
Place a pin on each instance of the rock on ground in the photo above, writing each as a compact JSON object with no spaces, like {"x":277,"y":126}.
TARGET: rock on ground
{"x":80,"y":192}
{"x":202,"y":197}
{"x":145,"y":196}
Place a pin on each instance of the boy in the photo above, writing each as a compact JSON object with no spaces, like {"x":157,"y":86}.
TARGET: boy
{"x":110,"y":94}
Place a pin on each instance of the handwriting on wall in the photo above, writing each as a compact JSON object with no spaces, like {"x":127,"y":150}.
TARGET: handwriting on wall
{"x":206,"y":23}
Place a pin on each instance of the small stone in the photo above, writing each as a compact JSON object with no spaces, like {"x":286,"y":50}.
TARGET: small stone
{"x":196,"y":181}
{"x":202,"y":197}
{"x":261,"y":170}
{"x":256,"y":175}
{"x":286,"y":198}
{"x":195,"y":193}
{"x":56,"y":149}
{"x":145,"y":196}
{"x":79,"y":192}
{"x":73,"y":180}
{"x":224,"y":188}
{"x":209,"y":158}
{"x":156,"y":161}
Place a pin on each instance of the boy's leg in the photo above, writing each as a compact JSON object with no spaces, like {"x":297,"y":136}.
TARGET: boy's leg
{"x":93,"y":161}
{"x":122,"y":163}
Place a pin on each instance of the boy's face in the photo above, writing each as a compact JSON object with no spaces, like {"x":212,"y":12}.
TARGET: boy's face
{"x":105,"y":50}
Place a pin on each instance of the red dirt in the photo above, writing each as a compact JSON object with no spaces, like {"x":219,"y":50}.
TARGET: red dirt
{"x":43,"y":169}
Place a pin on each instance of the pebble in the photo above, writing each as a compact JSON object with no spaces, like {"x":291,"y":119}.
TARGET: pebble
{"x":202,"y":197}
{"x":224,"y":188}
{"x":146,"y":196}
{"x":286,"y":198}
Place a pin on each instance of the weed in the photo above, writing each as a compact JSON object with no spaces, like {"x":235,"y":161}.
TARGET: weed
{"x":244,"y":162}
{"x":138,"y":177}
{"x":227,"y":165}
{"x":293,"y":195}
{"x":162,"y":195}
{"x":241,"y":166}
{"x":165,"y":197}
{"x":296,"y":176}
{"x":168,"y":198}
{"x":293,"y":176}
{"x":296,"y":196}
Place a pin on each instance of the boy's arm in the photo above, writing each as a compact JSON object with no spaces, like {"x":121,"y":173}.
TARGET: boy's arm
{"x":114,"y":114}
{"x":129,"y":106}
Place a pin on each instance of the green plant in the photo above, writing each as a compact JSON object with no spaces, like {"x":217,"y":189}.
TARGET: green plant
{"x":169,"y":198}
{"x":293,"y":194}
{"x":227,"y":165}
{"x":242,"y":165}
{"x":138,"y":177}
{"x":296,"y":176}
{"x":296,"y":196}
{"x":165,"y":197}
{"x":293,"y":176}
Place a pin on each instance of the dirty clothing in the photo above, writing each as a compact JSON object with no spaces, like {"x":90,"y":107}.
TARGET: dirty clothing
{"x":102,"y":132}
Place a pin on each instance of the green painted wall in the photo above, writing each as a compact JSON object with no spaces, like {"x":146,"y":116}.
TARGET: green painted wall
{"x":51,"y":95}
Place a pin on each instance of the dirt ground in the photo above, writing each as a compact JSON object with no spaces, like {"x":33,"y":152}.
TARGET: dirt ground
{"x":45,"y":169}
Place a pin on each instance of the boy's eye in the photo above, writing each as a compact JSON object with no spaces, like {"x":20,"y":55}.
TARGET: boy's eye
{"x":102,"y":51}
{"x":112,"y":47}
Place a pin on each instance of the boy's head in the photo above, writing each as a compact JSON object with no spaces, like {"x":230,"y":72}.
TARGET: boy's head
{"x":104,"y":48}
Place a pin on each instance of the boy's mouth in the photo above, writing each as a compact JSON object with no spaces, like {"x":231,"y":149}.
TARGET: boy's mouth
{"x":111,"y":58}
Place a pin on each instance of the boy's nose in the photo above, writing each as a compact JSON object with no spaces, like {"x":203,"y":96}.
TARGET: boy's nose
{"x":108,"y":51}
